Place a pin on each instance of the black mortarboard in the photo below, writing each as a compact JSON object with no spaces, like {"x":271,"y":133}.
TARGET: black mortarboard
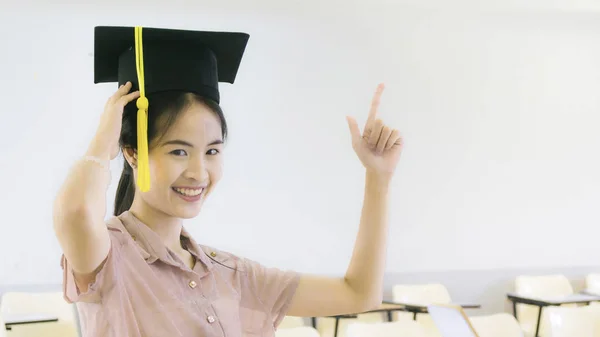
{"x":192,"y":61}
{"x":165,"y":60}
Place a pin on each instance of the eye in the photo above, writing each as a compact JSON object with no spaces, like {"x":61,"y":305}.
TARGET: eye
{"x":179,"y":152}
{"x":212,"y":152}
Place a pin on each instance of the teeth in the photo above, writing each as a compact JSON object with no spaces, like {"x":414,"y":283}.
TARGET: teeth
{"x":189,"y":192}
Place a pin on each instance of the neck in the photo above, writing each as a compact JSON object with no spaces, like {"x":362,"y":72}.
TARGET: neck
{"x":167,"y":227}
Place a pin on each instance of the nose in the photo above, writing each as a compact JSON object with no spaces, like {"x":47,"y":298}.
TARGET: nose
{"x":196,"y":169}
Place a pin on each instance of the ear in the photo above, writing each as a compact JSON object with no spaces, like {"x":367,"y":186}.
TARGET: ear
{"x":131,"y":156}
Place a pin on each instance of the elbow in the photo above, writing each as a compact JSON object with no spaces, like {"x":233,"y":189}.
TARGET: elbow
{"x":375,"y":301}
{"x":370,"y":302}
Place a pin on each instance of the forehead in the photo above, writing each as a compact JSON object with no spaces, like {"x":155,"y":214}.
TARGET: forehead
{"x":196,"y":121}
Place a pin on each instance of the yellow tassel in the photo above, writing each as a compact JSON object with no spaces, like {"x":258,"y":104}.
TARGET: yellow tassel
{"x":142,"y":103}
{"x":142,"y":133}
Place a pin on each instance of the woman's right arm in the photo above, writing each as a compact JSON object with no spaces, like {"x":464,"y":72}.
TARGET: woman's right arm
{"x":80,"y":207}
{"x":79,"y":212}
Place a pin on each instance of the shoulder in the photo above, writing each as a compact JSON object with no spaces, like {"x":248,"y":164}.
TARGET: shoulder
{"x":117,"y":230}
{"x":225,"y":259}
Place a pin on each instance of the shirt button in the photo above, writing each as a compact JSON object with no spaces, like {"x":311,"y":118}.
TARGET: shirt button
{"x":210,"y":319}
{"x":192,"y":284}
{"x":213,"y":254}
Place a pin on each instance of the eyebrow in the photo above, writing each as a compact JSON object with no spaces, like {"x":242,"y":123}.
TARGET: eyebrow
{"x":184,"y":143}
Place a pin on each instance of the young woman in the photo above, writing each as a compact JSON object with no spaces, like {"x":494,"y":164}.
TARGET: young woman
{"x":140,"y":273}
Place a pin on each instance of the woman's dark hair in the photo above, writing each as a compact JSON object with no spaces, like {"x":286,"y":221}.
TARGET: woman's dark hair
{"x":165,"y":108}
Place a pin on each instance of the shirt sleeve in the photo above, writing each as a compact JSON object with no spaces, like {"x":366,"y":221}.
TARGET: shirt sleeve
{"x":106,"y":277}
{"x":275,"y":288}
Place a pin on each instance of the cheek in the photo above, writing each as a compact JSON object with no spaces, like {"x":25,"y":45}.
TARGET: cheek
{"x":164,"y":172}
{"x":215,"y":169}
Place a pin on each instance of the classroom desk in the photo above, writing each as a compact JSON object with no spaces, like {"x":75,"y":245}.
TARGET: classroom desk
{"x":580,"y":298}
{"x":388,"y":307}
{"x":20,"y":319}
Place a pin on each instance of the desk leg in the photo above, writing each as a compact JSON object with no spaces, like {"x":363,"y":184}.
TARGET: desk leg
{"x":414,"y":316}
{"x":313,"y":321}
{"x":389,"y":316}
{"x":537,"y":329}
{"x":335,"y":330}
{"x":515,"y":310}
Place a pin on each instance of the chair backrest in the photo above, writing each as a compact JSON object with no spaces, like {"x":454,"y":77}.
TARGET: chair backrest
{"x":592,"y":283}
{"x":451,"y":321}
{"x":301,"y":331}
{"x":425,"y":294}
{"x":387,"y":329}
{"x":571,"y":322}
{"x":496,"y":325}
{"x":544,"y":286}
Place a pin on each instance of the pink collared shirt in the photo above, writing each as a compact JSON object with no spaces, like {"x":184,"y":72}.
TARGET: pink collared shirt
{"x":144,"y":289}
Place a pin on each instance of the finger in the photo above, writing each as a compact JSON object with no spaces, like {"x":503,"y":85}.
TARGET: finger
{"x":123,"y":89}
{"x":353,"y":126}
{"x":385,"y":135}
{"x":375,"y":133}
{"x":394,"y":139}
{"x":124,"y":100}
{"x":374,"y":105}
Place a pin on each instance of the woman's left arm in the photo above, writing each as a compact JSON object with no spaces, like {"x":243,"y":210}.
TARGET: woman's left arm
{"x":378,"y":148}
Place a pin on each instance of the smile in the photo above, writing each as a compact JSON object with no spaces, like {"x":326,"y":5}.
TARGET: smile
{"x":188,"y":192}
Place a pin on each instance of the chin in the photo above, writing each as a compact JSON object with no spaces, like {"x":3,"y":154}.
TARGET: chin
{"x":187,"y":212}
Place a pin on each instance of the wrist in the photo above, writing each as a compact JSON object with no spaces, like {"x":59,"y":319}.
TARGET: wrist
{"x":96,"y":149}
{"x":377,"y":179}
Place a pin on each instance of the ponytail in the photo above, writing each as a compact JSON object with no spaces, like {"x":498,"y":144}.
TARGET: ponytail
{"x":125,"y":190}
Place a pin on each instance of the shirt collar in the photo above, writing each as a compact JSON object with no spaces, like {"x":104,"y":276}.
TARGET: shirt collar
{"x":152,"y":248}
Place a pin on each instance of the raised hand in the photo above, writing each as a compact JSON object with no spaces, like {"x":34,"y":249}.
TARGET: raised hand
{"x":105,"y":144}
{"x":379,"y":147}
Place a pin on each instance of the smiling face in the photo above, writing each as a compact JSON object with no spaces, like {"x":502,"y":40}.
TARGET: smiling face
{"x":185,"y":163}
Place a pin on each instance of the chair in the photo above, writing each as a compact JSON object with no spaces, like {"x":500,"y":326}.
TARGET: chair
{"x":2,"y":328}
{"x":301,"y":331}
{"x":539,"y":286}
{"x":326,"y":325}
{"x":387,"y":329}
{"x":291,"y":322}
{"x":592,"y":286}
{"x":424,"y":294}
{"x":496,"y":325}
{"x":592,"y":283}
{"x":452,"y":321}
{"x":594,"y":312}
{"x":571,"y":322}
{"x":45,"y":303}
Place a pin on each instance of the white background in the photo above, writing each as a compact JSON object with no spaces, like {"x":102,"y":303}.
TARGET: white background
{"x":498,"y":102}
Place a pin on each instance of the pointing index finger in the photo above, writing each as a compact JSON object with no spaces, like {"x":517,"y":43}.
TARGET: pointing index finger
{"x":375,"y":105}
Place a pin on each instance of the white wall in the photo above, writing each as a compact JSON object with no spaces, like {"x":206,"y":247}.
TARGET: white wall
{"x":498,"y":105}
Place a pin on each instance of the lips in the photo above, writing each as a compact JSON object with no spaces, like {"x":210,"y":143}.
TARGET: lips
{"x":189,"y":192}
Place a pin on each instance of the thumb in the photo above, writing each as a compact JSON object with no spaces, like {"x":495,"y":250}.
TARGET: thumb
{"x":354,"y":130}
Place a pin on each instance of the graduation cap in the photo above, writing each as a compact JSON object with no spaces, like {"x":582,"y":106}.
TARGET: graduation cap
{"x":165,"y":60}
